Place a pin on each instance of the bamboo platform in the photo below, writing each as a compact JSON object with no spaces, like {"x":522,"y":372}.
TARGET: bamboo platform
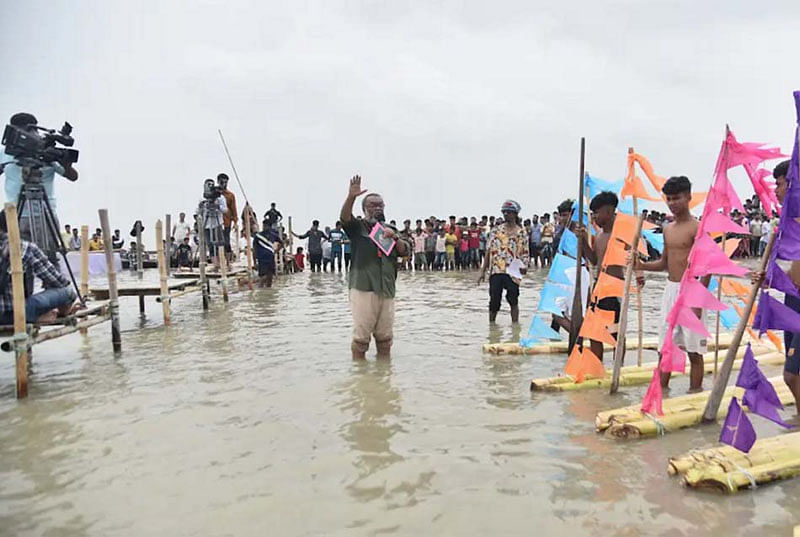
{"x":189,"y":275}
{"x":724,"y":468}
{"x":142,"y":290}
{"x":560,"y":347}
{"x":629,"y":422}
{"x":638,"y":375}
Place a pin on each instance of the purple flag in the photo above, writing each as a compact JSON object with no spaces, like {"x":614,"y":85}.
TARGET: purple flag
{"x":737,"y":431}
{"x":771,"y":314}
{"x":787,"y":243}
{"x":779,"y":280}
{"x":759,"y":395}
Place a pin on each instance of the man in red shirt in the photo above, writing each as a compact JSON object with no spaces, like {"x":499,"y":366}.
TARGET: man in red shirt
{"x":474,"y":234}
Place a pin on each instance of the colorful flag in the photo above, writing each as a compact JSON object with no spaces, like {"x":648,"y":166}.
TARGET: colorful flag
{"x":737,"y":431}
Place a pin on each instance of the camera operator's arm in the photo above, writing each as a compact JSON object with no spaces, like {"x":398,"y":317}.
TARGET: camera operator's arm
{"x":69,"y":172}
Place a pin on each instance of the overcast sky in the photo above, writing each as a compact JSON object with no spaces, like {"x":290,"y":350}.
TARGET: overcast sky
{"x":443,"y":107}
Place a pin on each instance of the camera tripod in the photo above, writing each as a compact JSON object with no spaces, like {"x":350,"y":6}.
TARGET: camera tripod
{"x":41,"y":226}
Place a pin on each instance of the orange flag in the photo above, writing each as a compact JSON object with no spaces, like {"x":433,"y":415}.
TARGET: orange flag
{"x":733,"y":288}
{"x":775,"y":340}
{"x":608,"y":285}
{"x":656,"y":180}
{"x":580,"y":364}
{"x":594,"y":326}
{"x":731,"y":245}
{"x":615,"y":253}
{"x":624,"y":227}
{"x":573,"y":367}
{"x":633,"y":187}
{"x":697,"y":199}
{"x":592,"y":364}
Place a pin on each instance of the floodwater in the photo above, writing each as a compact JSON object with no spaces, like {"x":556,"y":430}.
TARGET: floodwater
{"x":252,"y":419}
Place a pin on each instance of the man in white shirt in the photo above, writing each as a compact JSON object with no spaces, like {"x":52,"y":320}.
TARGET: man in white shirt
{"x":766,"y":232}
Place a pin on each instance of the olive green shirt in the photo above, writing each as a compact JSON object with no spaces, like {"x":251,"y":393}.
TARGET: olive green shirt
{"x":370,"y":269}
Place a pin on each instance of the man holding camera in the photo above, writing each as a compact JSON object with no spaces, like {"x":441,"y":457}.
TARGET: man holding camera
{"x":15,"y":181}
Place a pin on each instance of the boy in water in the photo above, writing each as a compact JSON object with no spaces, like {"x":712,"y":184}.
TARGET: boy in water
{"x":678,"y":240}
{"x":604,"y":212}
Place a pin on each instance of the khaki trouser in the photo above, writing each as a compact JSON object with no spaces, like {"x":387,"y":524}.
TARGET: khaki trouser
{"x":373,"y":315}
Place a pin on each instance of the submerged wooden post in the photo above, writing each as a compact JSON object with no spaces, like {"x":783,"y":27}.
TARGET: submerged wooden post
{"x":113,"y":297}
{"x":248,"y":249}
{"x":139,"y":253}
{"x":235,"y":245}
{"x":18,"y":294}
{"x":721,"y":382}
{"x":168,"y":223}
{"x":619,"y":350}
{"x":162,"y":272}
{"x":223,"y":271}
{"x":291,"y":237}
{"x":84,"y":266}
{"x":201,"y":248}
{"x":576,"y":317}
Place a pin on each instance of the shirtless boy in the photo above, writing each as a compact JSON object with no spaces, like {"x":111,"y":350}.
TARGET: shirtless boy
{"x":678,"y":240}
{"x":604,"y":212}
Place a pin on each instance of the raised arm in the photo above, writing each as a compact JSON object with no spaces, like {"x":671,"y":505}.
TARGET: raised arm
{"x":346,"y":214}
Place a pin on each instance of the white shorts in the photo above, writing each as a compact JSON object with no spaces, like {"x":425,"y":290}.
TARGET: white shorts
{"x":683,"y":337}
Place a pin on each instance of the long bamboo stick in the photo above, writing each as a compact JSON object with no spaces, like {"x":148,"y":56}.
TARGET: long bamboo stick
{"x":21,"y":346}
{"x":201,"y":247}
{"x":113,"y":297}
{"x":162,"y":272}
{"x":223,"y":272}
{"x":619,"y":350}
{"x":248,"y":249}
{"x":139,"y":253}
{"x":726,"y":458}
{"x":84,"y":264}
{"x":168,"y":231}
{"x":639,"y":311}
{"x":716,"y":332}
{"x":718,"y":390}
{"x":577,"y":301}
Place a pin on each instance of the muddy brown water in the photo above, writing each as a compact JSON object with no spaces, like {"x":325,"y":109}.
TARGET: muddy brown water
{"x":252,"y":419}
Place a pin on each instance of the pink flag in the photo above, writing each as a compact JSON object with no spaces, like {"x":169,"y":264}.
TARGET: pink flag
{"x":673,"y":358}
{"x":707,"y":258}
{"x":722,"y":195}
{"x":651,"y":403}
{"x":719,"y":222}
{"x":748,"y":152}
{"x":695,"y":295}
{"x":686,"y":317}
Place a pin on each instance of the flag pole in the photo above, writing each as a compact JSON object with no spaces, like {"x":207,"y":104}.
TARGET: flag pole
{"x":577,"y":301}
{"x":638,"y":294}
{"x":619,"y":350}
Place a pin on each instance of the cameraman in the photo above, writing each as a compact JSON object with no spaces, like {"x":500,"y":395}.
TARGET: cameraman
{"x":14,"y":180}
{"x":211,"y":209}
{"x":44,"y":306}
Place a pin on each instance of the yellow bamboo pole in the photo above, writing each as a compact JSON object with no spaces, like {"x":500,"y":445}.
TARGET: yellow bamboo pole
{"x":223,"y":272}
{"x":113,"y":297}
{"x":619,"y":351}
{"x":202,"y":250}
{"x":162,"y":272}
{"x":638,"y":294}
{"x":168,"y":233}
{"x":719,"y":299}
{"x":18,"y":301}
{"x":84,"y":266}
{"x":248,"y":250}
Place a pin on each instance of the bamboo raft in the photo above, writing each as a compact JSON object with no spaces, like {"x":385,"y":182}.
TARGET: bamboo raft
{"x":560,"y":347}
{"x":638,"y":375}
{"x":726,"y":469}
{"x":629,"y":422}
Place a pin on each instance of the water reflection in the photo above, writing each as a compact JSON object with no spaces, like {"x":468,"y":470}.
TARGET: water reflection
{"x":374,"y":404}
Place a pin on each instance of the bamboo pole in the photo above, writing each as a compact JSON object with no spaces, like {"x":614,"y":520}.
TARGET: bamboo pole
{"x":235,"y":245}
{"x":577,"y":301}
{"x":162,"y":272}
{"x":248,"y":249}
{"x":84,"y":264}
{"x":291,"y":238}
{"x":201,"y":248}
{"x":718,"y":390}
{"x":21,"y":346}
{"x":139,"y":253}
{"x":639,"y":311}
{"x":619,"y":350}
{"x":168,"y":223}
{"x":113,"y":298}
{"x":223,"y":272}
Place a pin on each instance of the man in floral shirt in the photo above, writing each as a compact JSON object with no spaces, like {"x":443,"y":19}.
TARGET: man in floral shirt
{"x":506,"y":243}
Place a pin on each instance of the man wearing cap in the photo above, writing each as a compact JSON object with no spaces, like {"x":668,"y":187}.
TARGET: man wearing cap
{"x":507,"y":242}
{"x":373,"y":273}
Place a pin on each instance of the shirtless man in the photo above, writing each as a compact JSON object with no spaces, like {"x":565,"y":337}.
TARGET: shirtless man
{"x":604,"y":212}
{"x":678,"y":240}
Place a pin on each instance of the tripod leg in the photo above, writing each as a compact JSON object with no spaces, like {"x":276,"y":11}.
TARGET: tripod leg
{"x":50,"y":222}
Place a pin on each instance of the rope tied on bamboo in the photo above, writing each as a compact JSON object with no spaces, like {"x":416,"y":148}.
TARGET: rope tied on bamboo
{"x":659,"y":426}
{"x":20,"y":341}
{"x":737,"y":468}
